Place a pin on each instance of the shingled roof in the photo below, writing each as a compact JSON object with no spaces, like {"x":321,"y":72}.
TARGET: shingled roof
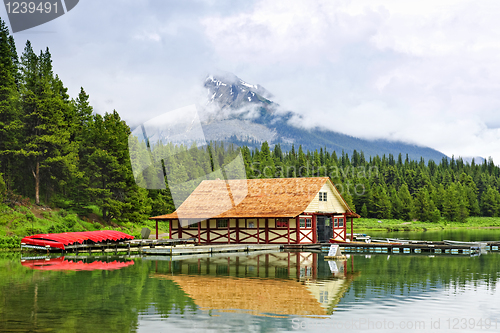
{"x":248,"y":198}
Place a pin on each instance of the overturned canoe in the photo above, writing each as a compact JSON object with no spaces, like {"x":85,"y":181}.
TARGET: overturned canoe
{"x":59,"y":241}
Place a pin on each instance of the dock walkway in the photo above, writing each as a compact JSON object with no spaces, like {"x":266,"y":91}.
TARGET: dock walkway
{"x":412,"y":247}
{"x":184,"y":250}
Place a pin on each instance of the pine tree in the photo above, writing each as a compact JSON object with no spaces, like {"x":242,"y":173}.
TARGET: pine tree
{"x":46,"y":133}
{"x":489,"y":202}
{"x":421,"y":205}
{"x":10,"y":122}
{"x":451,"y":203}
{"x":303,"y":164}
{"x":397,"y":204}
{"x":111,"y":182}
{"x":266,"y":162}
{"x":364,"y":211}
{"x":407,"y":203}
{"x":380,"y":203}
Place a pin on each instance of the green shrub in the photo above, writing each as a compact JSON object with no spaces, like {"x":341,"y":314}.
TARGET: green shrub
{"x":22,"y":209}
{"x":30,"y":216}
{"x":70,"y":221}
{"x":61,"y":202}
{"x":3,"y":189}
{"x":57,"y":228}
{"x":47,"y":215}
{"x":86,"y":225}
{"x":10,"y":242}
{"x":136,"y":234}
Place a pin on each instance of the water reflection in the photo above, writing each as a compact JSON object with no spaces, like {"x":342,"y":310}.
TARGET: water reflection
{"x":461,"y":234}
{"x":268,"y":284}
{"x":74,"y":263}
{"x":243,"y":293}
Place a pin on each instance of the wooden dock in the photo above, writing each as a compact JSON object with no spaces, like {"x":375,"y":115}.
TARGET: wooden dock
{"x":404,"y":248}
{"x":204,"y":249}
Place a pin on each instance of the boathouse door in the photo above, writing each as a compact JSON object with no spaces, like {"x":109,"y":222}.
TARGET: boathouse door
{"x":324,"y":228}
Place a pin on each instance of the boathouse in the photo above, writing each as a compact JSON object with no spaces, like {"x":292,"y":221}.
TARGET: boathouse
{"x":262,"y":211}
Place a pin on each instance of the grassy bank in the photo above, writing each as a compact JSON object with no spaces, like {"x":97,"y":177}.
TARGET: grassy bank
{"x":365,"y":224}
{"x":21,"y":221}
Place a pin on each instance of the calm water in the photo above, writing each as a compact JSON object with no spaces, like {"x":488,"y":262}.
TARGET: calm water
{"x":452,"y":234}
{"x":272,"y":292}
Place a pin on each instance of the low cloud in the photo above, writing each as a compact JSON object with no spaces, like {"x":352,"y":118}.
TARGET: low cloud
{"x":427,"y":75}
{"x":421,"y":72}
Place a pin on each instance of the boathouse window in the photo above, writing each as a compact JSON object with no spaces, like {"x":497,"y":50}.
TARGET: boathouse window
{"x":305,"y":222}
{"x":341,"y":222}
{"x":338,"y":222}
{"x":251,"y":225}
{"x":281,"y":223}
{"x":193,"y":226}
{"x":221,"y":223}
{"x":335,"y":222}
{"x":322,"y":196}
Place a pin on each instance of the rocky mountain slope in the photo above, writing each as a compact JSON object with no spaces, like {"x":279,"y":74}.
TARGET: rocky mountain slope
{"x":244,"y":113}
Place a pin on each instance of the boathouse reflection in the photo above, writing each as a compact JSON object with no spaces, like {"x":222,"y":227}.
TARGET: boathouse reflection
{"x":300,"y":283}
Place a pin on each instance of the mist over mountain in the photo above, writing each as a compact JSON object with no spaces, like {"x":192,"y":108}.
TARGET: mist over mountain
{"x":244,"y":114}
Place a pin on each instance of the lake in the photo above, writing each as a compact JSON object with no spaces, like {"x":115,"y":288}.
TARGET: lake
{"x":270,"y":292}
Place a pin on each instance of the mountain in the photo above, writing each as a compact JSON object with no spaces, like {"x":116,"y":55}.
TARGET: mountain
{"x":244,"y":114}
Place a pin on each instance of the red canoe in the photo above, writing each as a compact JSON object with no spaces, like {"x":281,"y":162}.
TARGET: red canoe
{"x":59,"y":241}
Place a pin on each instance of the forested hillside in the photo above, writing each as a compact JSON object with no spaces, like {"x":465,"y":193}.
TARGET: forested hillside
{"x":391,"y":187}
{"x":55,"y":150}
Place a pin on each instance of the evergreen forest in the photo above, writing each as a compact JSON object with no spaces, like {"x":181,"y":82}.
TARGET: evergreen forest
{"x":56,"y":151}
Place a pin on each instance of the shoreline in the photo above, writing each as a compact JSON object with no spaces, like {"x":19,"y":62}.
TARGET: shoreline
{"x":395,"y":225}
{"x":418,"y":229}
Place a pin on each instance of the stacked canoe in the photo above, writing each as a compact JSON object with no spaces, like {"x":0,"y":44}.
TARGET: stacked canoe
{"x":60,"y":241}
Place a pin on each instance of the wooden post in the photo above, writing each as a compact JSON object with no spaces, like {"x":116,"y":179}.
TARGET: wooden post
{"x":344,"y":227}
{"x":170,"y":229}
{"x":237,"y":231}
{"x":297,"y":226}
{"x":156,"y":229}
{"x":352,"y":229}
{"x":258,"y":231}
{"x":315,"y":232}
{"x":267,"y":230}
{"x":208,"y":231}
{"x":199,"y":232}
{"x":180,"y":228}
{"x":228,"y":231}
{"x":288,"y":232}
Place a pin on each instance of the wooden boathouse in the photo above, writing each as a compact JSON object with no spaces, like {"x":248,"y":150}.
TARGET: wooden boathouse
{"x":262,"y":211}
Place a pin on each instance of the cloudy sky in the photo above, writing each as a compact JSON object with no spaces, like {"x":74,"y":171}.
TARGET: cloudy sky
{"x":424,"y":72}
